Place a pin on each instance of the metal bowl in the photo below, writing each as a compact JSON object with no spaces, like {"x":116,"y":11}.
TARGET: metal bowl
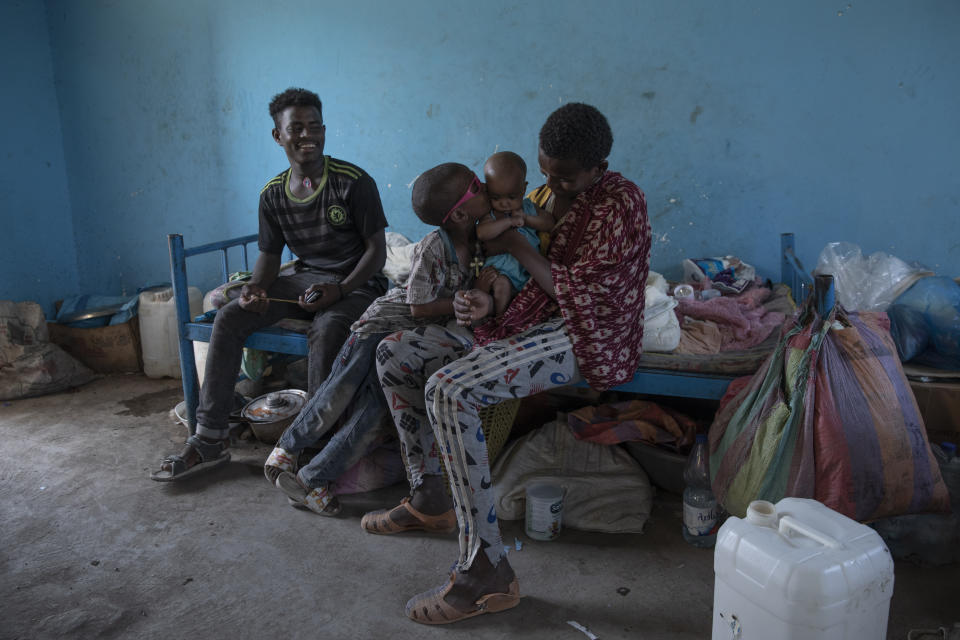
{"x":270,"y":414}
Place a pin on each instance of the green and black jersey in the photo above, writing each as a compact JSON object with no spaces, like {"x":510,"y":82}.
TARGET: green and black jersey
{"x":327,"y":230}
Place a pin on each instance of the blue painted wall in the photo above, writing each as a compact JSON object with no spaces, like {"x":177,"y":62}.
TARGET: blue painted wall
{"x":37,"y":247}
{"x":831,"y":119}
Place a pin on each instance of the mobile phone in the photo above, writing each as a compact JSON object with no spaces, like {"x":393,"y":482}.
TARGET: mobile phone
{"x":313,"y":296}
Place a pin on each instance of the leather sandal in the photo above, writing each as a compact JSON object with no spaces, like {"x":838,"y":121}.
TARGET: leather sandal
{"x":277,"y":462}
{"x":209,"y":455}
{"x":381,"y":523}
{"x":429,"y":607}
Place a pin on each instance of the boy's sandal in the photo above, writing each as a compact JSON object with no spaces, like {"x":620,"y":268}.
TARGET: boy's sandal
{"x":380,"y":522}
{"x":320,"y":501}
{"x":277,"y":462}
{"x":209,"y":454}
{"x":429,"y":607}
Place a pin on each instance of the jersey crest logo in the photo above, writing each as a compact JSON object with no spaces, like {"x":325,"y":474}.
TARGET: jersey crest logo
{"x":336,"y":214}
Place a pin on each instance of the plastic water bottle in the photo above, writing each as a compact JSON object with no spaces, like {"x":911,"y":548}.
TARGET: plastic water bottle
{"x":700,"y":511}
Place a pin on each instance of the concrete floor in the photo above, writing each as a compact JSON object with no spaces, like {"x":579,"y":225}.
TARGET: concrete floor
{"x":91,"y":548}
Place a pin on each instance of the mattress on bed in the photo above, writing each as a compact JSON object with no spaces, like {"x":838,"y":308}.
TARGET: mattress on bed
{"x":725,"y":362}
{"x":740,"y":362}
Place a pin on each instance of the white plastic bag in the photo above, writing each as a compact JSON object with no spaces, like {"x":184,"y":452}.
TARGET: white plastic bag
{"x":657,"y":281}
{"x":399,"y":257}
{"x":866,"y":284}
{"x":661,"y":328}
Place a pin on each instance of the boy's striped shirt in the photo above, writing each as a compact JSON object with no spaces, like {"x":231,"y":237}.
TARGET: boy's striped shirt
{"x":327,"y":229}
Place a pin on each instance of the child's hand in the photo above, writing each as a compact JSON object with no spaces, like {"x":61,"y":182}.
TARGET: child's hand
{"x":484,"y":281}
{"x":517,"y":219}
{"x":503,"y":243}
{"x":471,"y":306}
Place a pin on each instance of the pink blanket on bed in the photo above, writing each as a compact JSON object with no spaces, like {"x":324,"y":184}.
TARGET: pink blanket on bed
{"x":742,"y":320}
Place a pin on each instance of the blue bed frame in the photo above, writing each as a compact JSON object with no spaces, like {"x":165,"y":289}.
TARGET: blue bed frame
{"x":646,"y":381}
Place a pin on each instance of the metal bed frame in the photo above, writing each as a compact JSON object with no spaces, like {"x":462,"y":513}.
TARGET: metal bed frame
{"x":646,"y":381}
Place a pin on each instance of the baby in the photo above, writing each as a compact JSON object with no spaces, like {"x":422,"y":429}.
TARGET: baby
{"x":502,"y":277}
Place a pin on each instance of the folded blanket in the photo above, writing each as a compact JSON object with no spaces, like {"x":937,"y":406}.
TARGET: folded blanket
{"x":633,"y":421}
{"x":742,"y":320}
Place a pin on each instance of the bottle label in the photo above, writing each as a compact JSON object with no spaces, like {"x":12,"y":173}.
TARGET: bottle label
{"x":699,"y":521}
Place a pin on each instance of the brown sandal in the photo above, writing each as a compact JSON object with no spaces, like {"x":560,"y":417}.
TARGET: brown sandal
{"x":380,"y":522}
{"x":429,"y":607}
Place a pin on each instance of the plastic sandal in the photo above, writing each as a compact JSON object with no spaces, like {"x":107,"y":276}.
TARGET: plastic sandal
{"x":320,"y":501}
{"x":429,"y":607}
{"x":211,"y":455}
{"x":277,"y":462}
{"x":381,"y":523}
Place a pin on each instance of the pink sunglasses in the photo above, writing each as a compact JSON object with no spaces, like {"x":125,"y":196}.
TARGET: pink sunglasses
{"x":473,"y":190}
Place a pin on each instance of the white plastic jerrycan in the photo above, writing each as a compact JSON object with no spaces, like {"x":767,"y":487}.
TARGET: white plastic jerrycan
{"x":799,"y":570}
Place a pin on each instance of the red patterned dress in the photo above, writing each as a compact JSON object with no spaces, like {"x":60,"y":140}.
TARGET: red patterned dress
{"x":600,"y":257}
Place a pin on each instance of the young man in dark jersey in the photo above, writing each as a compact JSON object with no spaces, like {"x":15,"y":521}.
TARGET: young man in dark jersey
{"x":329,"y":213}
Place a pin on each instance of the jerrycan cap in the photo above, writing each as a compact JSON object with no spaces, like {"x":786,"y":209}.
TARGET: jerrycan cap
{"x":762,"y":513}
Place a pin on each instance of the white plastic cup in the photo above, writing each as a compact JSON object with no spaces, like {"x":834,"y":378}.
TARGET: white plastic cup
{"x":683,"y":292}
{"x":544,"y":516}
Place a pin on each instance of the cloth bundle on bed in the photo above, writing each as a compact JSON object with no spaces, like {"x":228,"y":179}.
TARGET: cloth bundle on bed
{"x":729,"y":323}
{"x":703,"y":347}
{"x":829,"y":416}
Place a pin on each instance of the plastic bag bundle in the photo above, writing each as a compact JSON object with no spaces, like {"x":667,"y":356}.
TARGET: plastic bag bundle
{"x":729,"y":273}
{"x":925,"y":323}
{"x":828,"y":416}
{"x":399,"y":257}
{"x":866,"y":283}
{"x":661,"y":327}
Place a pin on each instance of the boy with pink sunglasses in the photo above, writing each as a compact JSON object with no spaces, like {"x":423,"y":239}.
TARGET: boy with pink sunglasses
{"x":451,"y":197}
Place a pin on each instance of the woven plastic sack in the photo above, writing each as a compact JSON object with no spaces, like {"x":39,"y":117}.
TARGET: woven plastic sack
{"x":828,"y":416}
{"x":30,"y":365}
{"x":605,"y":488}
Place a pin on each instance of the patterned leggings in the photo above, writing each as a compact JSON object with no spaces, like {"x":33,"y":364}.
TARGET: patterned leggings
{"x":435,"y":392}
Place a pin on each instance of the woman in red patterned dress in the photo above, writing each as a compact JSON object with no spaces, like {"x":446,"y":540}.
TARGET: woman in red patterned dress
{"x":580,"y":317}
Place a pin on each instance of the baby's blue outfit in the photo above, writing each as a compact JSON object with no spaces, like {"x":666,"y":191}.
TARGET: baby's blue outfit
{"x":505,"y":263}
